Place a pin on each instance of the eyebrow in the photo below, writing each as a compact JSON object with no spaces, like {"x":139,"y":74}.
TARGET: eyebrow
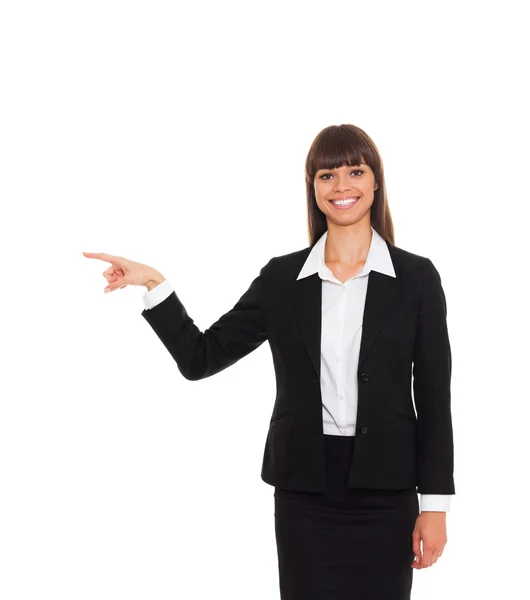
{"x":337,"y":168}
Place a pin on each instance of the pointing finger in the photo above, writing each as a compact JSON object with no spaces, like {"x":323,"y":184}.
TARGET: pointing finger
{"x":115,"y":260}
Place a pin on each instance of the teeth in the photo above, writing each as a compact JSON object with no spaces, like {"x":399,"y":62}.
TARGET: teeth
{"x":344,"y":202}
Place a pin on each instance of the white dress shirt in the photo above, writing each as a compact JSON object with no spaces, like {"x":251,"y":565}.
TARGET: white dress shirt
{"x":342,"y":322}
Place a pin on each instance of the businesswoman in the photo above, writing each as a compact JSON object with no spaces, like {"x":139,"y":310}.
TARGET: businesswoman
{"x":355,"y":325}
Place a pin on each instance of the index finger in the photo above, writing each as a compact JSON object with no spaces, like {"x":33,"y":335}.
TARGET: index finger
{"x":426,"y":559}
{"x":102,"y":256}
{"x":416,"y":547}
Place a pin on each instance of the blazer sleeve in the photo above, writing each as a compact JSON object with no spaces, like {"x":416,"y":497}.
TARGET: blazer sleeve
{"x":432,"y":388}
{"x":234,"y":335}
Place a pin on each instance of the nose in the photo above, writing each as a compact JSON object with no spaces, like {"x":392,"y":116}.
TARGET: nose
{"x":342,"y":182}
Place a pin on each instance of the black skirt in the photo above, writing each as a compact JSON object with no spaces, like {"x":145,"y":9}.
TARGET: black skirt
{"x":347,"y":544}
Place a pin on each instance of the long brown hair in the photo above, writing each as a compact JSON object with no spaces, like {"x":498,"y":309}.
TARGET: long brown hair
{"x":337,"y":146}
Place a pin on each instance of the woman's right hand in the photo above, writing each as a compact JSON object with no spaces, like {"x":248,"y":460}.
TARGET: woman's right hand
{"x":124,"y":272}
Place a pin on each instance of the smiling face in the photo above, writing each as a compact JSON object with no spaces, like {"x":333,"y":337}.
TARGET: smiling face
{"x":345,"y":194}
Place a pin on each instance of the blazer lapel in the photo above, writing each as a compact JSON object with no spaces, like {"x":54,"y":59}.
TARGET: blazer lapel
{"x":379,"y":298}
{"x":307,"y":307}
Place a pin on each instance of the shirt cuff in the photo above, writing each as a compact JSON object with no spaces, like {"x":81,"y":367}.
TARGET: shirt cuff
{"x":435,"y":502}
{"x":158,"y":294}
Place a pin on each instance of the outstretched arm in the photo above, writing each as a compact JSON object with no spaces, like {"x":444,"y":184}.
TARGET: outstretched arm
{"x":234,"y":335}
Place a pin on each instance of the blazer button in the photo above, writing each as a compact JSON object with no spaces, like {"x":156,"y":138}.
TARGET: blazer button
{"x":364,"y":429}
{"x":364,"y":378}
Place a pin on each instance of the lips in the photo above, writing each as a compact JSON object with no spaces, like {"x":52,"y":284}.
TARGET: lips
{"x":344,"y":203}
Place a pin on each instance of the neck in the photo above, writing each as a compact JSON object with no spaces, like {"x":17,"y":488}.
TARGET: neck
{"x":348,"y":244}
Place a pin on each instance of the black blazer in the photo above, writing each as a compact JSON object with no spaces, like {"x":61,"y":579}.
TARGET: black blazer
{"x":404,"y":336}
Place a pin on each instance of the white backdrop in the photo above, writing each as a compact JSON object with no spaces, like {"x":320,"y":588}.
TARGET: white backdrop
{"x":175,"y":134}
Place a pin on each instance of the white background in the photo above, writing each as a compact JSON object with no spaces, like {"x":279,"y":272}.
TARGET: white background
{"x":175,"y":134}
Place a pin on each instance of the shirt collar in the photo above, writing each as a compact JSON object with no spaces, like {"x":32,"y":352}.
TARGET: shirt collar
{"x":378,"y":259}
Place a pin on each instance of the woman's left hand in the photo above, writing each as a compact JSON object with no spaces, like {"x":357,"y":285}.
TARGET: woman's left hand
{"x":430,"y":529}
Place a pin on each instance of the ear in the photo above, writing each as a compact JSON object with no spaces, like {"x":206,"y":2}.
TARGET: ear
{"x":376,"y":187}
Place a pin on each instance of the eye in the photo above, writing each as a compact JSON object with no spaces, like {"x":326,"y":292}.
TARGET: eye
{"x":361,"y":171}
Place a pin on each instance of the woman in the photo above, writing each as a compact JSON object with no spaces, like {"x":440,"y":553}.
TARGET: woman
{"x":349,"y":319}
